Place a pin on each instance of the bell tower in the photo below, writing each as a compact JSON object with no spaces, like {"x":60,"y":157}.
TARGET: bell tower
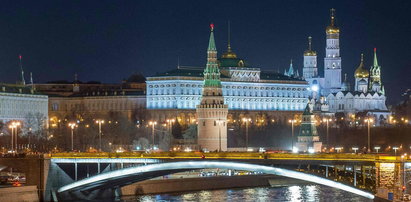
{"x":212,"y":112}
{"x":332,"y":60}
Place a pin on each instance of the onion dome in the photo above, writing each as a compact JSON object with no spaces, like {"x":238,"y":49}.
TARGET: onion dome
{"x":309,"y":51}
{"x":229,"y":53}
{"x":332,"y":28}
{"x":361,"y":72}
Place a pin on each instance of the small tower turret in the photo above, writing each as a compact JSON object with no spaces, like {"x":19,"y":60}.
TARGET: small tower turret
{"x":375,"y":75}
{"x":310,"y":62}
{"x":361,"y":77}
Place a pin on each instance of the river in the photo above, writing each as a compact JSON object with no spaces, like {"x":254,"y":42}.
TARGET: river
{"x":289,"y":193}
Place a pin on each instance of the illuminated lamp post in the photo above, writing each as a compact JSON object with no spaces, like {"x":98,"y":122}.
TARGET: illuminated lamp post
{"x":246,"y":120}
{"x":12,"y":127}
{"x":170,"y":125}
{"x":369,"y":121}
{"x":395,"y":150}
{"x":377,"y":148}
{"x":152,"y":124}
{"x":99,"y":122}
{"x":72,"y":125}
{"x":292,"y":121}
{"x":219,"y":122}
{"x":328,"y":140}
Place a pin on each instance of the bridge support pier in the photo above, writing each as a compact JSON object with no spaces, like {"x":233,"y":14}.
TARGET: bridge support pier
{"x":355,"y":176}
{"x":335,"y":172}
{"x":326,"y":171}
{"x":75,"y":171}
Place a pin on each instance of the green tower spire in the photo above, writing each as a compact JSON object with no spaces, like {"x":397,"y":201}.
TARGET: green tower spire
{"x":375,"y":58}
{"x":212,"y":71}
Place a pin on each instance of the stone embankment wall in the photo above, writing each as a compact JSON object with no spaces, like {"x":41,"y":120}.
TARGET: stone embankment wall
{"x":18,"y":194}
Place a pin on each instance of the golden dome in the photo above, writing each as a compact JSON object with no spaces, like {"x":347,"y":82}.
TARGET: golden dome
{"x":229,"y":53}
{"x":360,"y":72}
{"x":309,"y":52}
{"x":332,"y":29}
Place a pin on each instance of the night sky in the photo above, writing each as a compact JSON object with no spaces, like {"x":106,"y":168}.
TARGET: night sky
{"x":109,"y":40}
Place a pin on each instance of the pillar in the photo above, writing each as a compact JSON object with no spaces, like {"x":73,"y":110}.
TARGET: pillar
{"x":355,"y":176}
{"x":75,"y":171}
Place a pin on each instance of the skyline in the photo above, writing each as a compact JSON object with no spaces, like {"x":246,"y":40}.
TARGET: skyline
{"x":66,"y":39}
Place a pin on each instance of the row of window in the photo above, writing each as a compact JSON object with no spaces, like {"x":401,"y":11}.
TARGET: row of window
{"x":230,"y":93}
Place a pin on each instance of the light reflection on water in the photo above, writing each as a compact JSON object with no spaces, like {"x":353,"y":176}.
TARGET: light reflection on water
{"x":290,"y":193}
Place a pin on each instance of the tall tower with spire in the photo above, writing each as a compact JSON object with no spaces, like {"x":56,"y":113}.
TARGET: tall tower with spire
{"x":212,"y":112}
{"x":310,"y":62}
{"x":375,"y":83}
{"x":332,"y":60}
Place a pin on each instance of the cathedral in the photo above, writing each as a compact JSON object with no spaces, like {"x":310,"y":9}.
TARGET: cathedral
{"x":331,"y":95}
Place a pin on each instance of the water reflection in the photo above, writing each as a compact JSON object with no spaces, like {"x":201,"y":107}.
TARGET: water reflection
{"x":291,"y":193}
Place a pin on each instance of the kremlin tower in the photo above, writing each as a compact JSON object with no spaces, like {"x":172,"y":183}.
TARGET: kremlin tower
{"x":212,"y":112}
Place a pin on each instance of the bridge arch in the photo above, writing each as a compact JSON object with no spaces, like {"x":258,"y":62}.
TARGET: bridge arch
{"x":135,"y":174}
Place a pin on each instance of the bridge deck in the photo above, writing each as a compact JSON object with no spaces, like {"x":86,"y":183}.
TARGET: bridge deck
{"x":234,"y":156}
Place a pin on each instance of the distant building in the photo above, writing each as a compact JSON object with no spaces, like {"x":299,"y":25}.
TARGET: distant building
{"x":365,"y":97}
{"x":20,"y":103}
{"x":247,"y":91}
{"x":94,"y":99}
{"x":330,"y":95}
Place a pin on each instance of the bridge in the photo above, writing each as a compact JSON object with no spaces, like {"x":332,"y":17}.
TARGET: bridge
{"x":63,"y":175}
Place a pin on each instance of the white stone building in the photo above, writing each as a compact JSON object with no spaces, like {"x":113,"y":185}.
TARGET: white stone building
{"x":19,"y":103}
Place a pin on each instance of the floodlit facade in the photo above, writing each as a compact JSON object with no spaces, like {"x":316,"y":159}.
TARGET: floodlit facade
{"x":19,"y":103}
{"x":330,"y":95}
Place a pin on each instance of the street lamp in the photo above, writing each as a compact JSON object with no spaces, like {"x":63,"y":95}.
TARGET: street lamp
{"x":170,"y":125}
{"x":152,"y":124}
{"x":292,"y":121}
{"x":377,"y":148}
{"x":355,"y":149}
{"x":246,"y":120}
{"x":12,"y":136}
{"x":395,"y":150}
{"x":369,"y":121}
{"x":219,"y":122}
{"x":327,"y":121}
{"x":72,"y":125}
{"x":13,"y":126}
{"x":99,"y":122}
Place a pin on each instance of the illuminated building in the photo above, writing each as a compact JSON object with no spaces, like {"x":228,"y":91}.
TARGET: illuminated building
{"x":18,"y":102}
{"x":330,"y":94}
{"x":246,"y":89}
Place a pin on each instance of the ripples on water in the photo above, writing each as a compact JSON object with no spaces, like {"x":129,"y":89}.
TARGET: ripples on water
{"x":291,"y":193}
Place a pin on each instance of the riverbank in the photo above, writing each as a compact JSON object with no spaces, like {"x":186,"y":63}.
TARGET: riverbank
{"x":206,"y":183}
{"x":17,"y":194}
